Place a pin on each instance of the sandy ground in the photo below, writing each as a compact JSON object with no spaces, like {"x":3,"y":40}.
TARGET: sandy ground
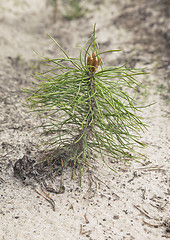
{"x":140,"y":191}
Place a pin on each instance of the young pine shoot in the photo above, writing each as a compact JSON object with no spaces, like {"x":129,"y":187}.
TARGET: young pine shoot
{"x":88,"y":108}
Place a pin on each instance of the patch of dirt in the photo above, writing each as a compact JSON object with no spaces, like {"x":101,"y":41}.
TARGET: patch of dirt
{"x":150,"y":22}
{"x":126,"y":205}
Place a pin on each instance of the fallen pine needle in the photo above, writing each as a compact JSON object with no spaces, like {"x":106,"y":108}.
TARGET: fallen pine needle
{"x":87,"y":221}
{"x":152,"y":224}
{"x":81,"y":229}
{"x":143,"y":211}
{"x":50,"y":200}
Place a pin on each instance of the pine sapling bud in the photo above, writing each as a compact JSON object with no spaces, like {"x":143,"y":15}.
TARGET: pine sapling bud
{"x":93,"y":55}
{"x":95,"y":64}
{"x":89,"y":62}
{"x":98,"y":62}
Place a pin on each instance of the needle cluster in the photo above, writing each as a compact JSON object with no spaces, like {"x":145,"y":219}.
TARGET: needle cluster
{"x":88,"y":107}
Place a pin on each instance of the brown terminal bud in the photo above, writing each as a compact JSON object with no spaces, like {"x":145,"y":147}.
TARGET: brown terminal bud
{"x":95,"y":64}
{"x":93,"y":55}
{"x":89,"y":62}
{"x":98,"y":62}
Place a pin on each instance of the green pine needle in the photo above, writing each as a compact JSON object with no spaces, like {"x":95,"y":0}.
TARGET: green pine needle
{"x":88,"y":111}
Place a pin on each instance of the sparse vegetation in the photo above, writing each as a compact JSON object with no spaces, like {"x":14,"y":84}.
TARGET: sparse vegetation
{"x":73,"y":9}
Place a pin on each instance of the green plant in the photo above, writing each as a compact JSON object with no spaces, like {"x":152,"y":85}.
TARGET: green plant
{"x":74,"y":9}
{"x":54,"y":4}
{"x":87,"y":109}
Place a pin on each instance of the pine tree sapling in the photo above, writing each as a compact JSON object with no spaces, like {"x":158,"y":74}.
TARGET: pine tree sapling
{"x":88,"y":108}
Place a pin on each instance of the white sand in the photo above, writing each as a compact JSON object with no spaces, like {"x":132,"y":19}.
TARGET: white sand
{"x":23,"y":213}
